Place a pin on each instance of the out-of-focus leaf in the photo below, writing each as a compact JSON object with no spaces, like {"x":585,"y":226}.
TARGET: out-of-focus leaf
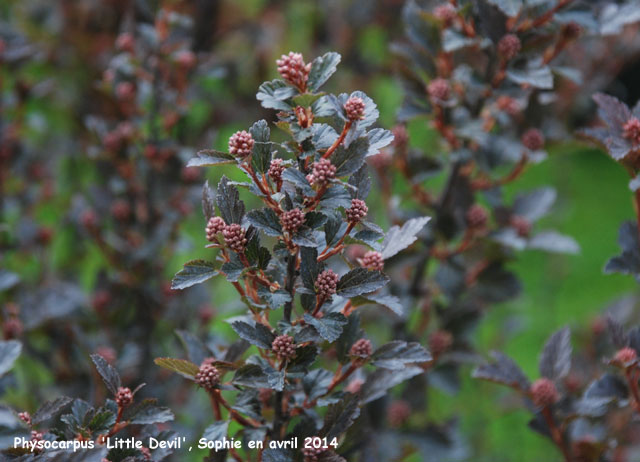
{"x":538,"y":77}
{"x":614,"y":17}
{"x":629,"y":261}
{"x":397,"y":354}
{"x":535,"y":204}
{"x":9,"y":352}
{"x":509,"y":7}
{"x":382,"y":380}
{"x":208,"y":201}
{"x":197,"y":351}
{"x":607,"y":386}
{"x":8,"y":279}
{"x":617,"y":334}
{"x":552,"y":241}
{"x":388,"y":301}
{"x":399,"y":238}
{"x":555,"y":360}
{"x":503,"y":370}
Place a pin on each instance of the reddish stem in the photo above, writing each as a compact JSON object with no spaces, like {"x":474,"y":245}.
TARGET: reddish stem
{"x":556,"y":434}
{"x":339,"y":141}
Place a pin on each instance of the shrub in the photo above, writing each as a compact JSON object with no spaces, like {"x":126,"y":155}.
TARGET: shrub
{"x":302,"y":302}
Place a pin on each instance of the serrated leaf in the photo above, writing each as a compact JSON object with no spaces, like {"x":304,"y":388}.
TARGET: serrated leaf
{"x":194,"y":272}
{"x":229,"y":203}
{"x":181,"y":366}
{"x":361,"y":182}
{"x":252,"y":376}
{"x":151,"y":414}
{"x":378,"y":139}
{"x":101,"y":421}
{"x":210,"y":157}
{"x":397,"y":354}
{"x":336,"y":197}
{"x":309,"y":267}
{"x":399,"y":238}
{"x":261,"y":152}
{"x":322,"y":68}
{"x":305,"y":357}
{"x":340,"y":416}
{"x":50,"y":409}
{"x":273,"y":94}
{"x":314,"y":220}
{"x":297,"y":178}
{"x":217,"y":431}
{"x":329,"y":326}
{"x":275,"y":378}
{"x":258,"y":335}
{"x":248,"y":403}
{"x":9,"y":352}
{"x":233,"y":268}
{"x":316,"y":383}
{"x":615,"y":16}
{"x":351,"y":332}
{"x":109,"y":375}
{"x":266,"y":220}
{"x":274,"y":299}
{"x":349,"y":160}
{"x":360,"y":281}
{"x":555,"y":360}
{"x":371,"y":112}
